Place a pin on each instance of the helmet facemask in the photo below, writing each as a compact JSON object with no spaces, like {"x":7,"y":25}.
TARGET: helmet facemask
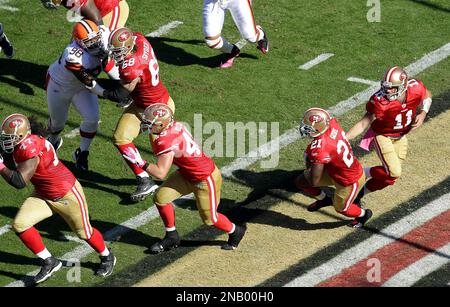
{"x":386,"y":86}
{"x":94,"y":45}
{"x":315,"y":122}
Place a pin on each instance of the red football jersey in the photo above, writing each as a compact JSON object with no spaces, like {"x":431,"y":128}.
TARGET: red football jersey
{"x":104,"y":6}
{"x":392,"y":117}
{"x":333,"y":149}
{"x":52,"y":179}
{"x":192,"y":162}
{"x":143,"y":64}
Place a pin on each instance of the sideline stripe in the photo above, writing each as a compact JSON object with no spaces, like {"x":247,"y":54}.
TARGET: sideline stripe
{"x":321,"y":58}
{"x":253,"y":156}
{"x":418,"y":270}
{"x":410,"y":248}
{"x":164,"y":29}
{"x":361,"y":251}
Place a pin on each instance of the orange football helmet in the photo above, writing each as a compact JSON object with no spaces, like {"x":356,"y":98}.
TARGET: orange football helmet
{"x":157,"y":118}
{"x":88,"y":36}
{"x":315,"y":122}
{"x":121,"y":43}
{"x":395,"y":83}
{"x":15,"y":128}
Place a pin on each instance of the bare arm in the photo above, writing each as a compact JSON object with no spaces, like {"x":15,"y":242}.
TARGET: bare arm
{"x":130,"y":86}
{"x":360,"y":126}
{"x":90,"y":11}
{"x":22,"y":176}
{"x":162,"y":166}
{"x":314,"y":174}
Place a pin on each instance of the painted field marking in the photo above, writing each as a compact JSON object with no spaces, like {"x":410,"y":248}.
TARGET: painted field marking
{"x":4,"y":229}
{"x":3,"y":6}
{"x":362,"y":250}
{"x":264,"y":151}
{"x":321,"y":58}
{"x":363,"y":81}
{"x":164,"y":29}
{"x":418,"y":270}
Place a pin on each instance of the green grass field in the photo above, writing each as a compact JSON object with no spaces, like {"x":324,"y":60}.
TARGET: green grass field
{"x":258,"y":88}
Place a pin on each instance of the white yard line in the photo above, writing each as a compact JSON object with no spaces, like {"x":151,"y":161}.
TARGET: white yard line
{"x":74,"y":133}
{"x":363,"y":81}
{"x":165,"y":29}
{"x":241,"y":44}
{"x":362,"y":250}
{"x":418,"y":270}
{"x":321,"y":58}
{"x":4,"y":229}
{"x":265,"y":150}
{"x":3,"y":6}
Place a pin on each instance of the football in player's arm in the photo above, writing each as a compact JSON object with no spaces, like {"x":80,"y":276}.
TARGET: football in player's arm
{"x":391,"y":114}
{"x":56,"y":190}
{"x":330,"y":162}
{"x":197,"y":173}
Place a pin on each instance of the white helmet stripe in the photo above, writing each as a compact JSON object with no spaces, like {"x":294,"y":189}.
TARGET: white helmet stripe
{"x":88,"y":28}
{"x":389,"y":73}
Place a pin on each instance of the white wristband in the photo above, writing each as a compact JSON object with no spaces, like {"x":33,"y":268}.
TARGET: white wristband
{"x":426,"y":104}
{"x":96,"y":88}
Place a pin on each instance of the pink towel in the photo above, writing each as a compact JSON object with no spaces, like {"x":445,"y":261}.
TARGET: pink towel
{"x":367,"y":140}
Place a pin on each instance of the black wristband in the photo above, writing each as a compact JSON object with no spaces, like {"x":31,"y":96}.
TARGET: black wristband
{"x":146,"y":165}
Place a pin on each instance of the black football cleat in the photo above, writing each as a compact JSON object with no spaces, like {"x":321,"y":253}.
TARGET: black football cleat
{"x":107,"y":264}
{"x":171,"y":240}
{"x":56,"y":145}
{"x":5,"y":44}
{"x":235,"y":238}
{"x":48,"y":267}
{"x":81,"y":160}
{"x":360,"y":221}
{"x":327,"y":201}
{"x":145,"y":187}
{"x":263,"y":44}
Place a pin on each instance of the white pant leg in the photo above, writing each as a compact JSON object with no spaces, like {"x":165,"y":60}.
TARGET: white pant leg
{"x":242,"y":13}
{"x":213,"y":18}
{"x":86,"y":103}
{"x":58,"y":102}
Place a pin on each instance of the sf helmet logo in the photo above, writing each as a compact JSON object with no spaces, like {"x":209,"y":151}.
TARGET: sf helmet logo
{"x":160,"y":113}
{"x":402,"y":77}
{"x":15,"y":123}
{"x":315,"y":118}
{"x":124,"y":36}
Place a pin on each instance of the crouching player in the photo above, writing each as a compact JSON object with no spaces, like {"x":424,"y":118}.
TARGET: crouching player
{"x":330,"y":162}
{"x":56,"y":190}
{"x":196,"y":173}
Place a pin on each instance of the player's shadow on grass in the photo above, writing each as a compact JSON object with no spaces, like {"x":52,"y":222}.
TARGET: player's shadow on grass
{"x":24,"y":73}
{"x":179,"y":57}
{"x":431,"y":5}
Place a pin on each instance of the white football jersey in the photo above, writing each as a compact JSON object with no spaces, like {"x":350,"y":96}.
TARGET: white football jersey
{"x":73,"y":56}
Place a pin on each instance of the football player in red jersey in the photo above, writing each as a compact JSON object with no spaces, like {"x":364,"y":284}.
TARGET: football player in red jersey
{"x":391,"y":114}
{"x":56,"y":190}
{"x":330,"y":162}
{"x":139,"y":79}
{"x":111,"y":13}
{"x":197,"y":173}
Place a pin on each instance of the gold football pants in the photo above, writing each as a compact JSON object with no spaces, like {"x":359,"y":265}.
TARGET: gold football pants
{"x":72,"y":208}
{"x":392,"y":153}
{"x":118,"y":17}
{"x":207,"y":193}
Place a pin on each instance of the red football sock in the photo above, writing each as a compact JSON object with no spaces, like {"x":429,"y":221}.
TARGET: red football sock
{"x":32,"y":239}
{"x":167,"y":214}
{"x":124,"y":150}
{"x":96,"y":241}
{"x":223,"y":223}
{"x":352,"y":211}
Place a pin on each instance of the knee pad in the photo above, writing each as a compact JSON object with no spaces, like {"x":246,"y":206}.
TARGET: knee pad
{"x":216,"y":43}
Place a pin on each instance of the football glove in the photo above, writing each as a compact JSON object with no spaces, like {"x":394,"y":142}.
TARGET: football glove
{"x":132,"y":155}
{"x":2,"y":165}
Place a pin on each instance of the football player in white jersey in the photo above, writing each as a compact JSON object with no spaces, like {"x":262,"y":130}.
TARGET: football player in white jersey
{"x":242,"y":13}
{"x":67,"y":82}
